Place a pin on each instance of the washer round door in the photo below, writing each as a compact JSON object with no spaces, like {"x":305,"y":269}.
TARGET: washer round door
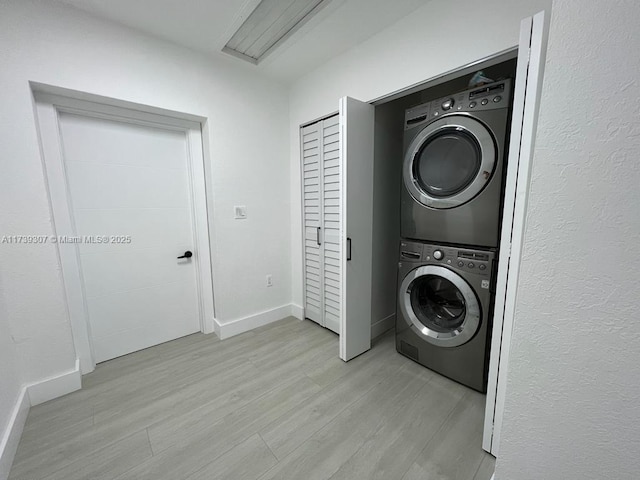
{"x":449,"y":162}
{"x":439,"y":306}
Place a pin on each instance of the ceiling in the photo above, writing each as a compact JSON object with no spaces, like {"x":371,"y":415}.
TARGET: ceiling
{"x":206,"y":26}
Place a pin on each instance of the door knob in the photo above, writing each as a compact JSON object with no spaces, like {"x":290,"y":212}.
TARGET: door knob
{"x":187,"y":254}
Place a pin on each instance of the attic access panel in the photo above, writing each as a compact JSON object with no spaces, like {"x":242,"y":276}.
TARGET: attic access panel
{"x":270,"y":24}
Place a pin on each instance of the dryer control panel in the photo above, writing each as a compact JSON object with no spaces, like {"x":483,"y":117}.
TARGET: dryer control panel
{"x":486,"y":97}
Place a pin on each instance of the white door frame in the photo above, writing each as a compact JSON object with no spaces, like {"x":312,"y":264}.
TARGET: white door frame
{"x":48,"y":106}
{"x":528,"y":86}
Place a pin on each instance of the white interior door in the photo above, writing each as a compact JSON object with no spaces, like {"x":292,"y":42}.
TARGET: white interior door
{"x":356,"y":152}
{"x":321,"y":193}
{"x":130,"y":201}
{"x":528,"y":85}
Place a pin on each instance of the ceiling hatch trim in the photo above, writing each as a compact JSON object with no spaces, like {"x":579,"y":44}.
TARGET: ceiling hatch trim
{"x":270,"y":23}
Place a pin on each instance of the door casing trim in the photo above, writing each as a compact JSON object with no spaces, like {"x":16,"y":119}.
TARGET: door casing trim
{"x":47,"y":107}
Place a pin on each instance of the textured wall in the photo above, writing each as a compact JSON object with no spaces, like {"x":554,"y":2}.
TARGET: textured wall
{"x":572,"y":409}
{"x":442,"y":35}
{"x":53,"y":44}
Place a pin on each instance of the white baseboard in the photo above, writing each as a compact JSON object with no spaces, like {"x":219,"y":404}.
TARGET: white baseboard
{"x":31,"y":395}
{"x":241,"y":325}
{"x":11,"y":436}
{"x":381,"y":326}
{"x":297,"y":311}
{"x":55,"y":387}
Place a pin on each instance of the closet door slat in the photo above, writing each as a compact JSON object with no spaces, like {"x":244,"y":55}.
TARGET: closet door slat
{"x":311,"y":154}
{"x":332,"y":202}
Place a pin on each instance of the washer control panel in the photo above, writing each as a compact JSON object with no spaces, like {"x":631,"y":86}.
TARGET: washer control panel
{"x":478,"y":262}
{"x":472,"y":261}
{"x":486,"y":97}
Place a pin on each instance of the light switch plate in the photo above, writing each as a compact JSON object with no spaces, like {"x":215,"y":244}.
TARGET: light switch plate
{"x":240,"y":212}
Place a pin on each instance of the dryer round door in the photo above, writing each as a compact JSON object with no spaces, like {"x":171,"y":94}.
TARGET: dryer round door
{"x":439,"y":306}
{"x":449,"y":162}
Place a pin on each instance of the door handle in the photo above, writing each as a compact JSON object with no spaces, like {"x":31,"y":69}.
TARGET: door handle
{"x":318,"y":236}
{"x":348,"y":249}
{"x":187,"y":254}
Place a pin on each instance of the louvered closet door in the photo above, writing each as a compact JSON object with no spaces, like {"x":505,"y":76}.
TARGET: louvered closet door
{"x":312,"y":205}
{"x":331,"y":227}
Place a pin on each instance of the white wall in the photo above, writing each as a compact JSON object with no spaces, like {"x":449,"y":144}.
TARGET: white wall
{"x":10,"y":382}
{"x":248,"y":138}
{"x":572,"y":408}
{"x":441,"y":36}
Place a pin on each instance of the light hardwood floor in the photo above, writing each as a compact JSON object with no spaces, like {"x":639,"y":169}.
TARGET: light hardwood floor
{"x":273,"y":403}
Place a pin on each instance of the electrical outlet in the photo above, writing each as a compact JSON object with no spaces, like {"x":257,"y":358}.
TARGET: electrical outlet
{"x":240,"y":212}
{"x":269,"y":280}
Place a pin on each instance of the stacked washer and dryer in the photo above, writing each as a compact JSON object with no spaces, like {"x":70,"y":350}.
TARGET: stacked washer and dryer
{"x":453,"y":183}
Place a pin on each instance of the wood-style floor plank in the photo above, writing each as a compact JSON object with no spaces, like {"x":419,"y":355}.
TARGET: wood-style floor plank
{"x":289,"y":432}
{"x":326,"y":450}
{"x":108,"y":462}
{"x":248,"y":459}
{"x":454,"y":451}
{"x":274,"y":403}
{"x":402,"y":435}
{"x":212,"y":439}
{"x":486,"y":469}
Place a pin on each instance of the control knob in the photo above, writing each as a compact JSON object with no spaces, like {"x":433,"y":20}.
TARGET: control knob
{"x":447,"y":104}
{"x":438,"y":255}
